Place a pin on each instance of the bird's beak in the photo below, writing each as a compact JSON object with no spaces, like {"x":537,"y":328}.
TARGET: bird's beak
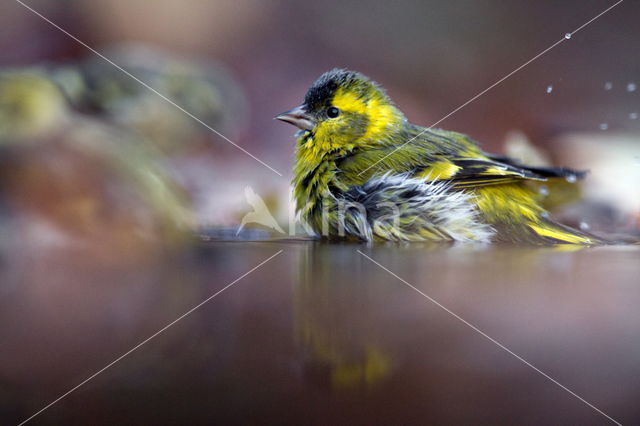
{"x":299,"y":117}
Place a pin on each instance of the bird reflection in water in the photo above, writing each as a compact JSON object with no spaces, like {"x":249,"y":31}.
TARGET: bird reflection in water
{"x":335,"y":323}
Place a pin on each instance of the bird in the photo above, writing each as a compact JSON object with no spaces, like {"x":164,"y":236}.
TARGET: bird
{"x":364,"y":172}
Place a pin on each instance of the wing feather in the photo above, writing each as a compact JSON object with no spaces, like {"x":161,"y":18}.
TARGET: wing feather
{"x":440,"y":155}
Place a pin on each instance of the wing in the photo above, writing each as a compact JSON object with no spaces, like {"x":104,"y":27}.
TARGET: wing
{"x":475,"y":172}
{"x":440,"y":155}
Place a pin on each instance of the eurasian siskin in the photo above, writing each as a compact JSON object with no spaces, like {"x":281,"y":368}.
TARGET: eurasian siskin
{"x":363,"y":171}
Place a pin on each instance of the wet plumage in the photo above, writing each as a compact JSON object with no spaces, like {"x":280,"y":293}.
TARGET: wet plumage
{"x":354,"y":142}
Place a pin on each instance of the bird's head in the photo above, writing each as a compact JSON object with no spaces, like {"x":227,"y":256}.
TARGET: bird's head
{"x":344,"y":108}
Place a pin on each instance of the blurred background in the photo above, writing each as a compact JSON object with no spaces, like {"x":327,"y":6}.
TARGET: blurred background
{"x":102,"y":180}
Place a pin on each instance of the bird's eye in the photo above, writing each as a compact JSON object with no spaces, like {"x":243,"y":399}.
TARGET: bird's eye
{"x":333,"y":112}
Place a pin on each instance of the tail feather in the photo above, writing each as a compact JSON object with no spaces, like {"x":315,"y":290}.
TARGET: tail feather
{"x":556,"y":233}
{"x":541,"y":171}
{"x":513,"y":210}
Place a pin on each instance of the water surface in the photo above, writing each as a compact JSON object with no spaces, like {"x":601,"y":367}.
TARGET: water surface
{"x":321,"y":335}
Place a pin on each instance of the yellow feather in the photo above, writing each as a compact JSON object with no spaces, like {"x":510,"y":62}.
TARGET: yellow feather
{"x":380,"y":113}
{"x":511,"y":203}
{"x":560,"y":235}
{"x":439,"y":170}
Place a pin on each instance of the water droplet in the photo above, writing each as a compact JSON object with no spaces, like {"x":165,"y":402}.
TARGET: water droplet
{"x":549,"y":88}
{"x":585,"y":226}
{"x":571,"y":178}
{"x":544,"y":190}
{"x":608,"y":85}
{"x":633,"y":116}
{"x":567,"y":36}
{"x":631,"y":87}
{"x":604,"y":126}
